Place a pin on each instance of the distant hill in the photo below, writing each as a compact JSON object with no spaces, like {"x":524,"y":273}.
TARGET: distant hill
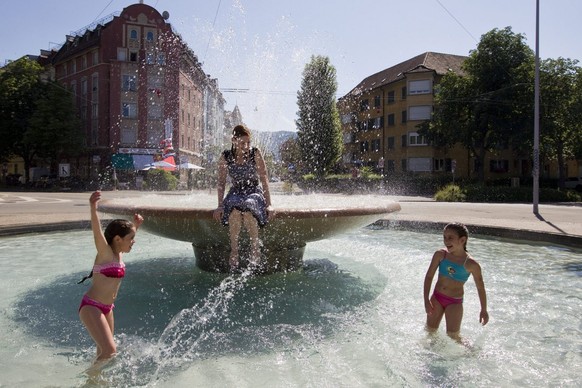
{"x":271,"y":141}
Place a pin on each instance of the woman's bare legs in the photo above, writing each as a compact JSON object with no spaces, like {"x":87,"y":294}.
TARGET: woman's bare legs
{"x":235,"y":225}
{"x":453,"y":317}
{"x":252,"y":228}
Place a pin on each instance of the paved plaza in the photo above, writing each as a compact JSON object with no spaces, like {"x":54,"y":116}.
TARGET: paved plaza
{"x":22,"y":212}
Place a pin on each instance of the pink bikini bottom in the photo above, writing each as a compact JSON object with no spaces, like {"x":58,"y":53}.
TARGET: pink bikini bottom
{"x":105,"y":308}
{"x":445,"y":300}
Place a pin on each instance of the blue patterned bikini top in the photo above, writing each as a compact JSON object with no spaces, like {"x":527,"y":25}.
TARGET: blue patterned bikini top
{"x":453,"y":270}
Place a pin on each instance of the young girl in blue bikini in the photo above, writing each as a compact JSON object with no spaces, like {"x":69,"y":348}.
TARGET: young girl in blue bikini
{"x":455,"y":265}
{"x":96,"y":309}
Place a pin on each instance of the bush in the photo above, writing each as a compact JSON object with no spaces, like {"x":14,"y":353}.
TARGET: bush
{"x":450,"y":193}
{"x":161,"y":180}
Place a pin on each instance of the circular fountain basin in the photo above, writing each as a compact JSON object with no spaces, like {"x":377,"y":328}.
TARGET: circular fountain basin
{"x":297,"y":220}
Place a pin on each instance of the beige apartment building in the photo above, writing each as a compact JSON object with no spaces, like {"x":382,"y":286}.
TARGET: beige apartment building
{"x":381,"y":114}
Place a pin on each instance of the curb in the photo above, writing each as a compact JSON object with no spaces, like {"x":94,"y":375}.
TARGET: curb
{"x":491,"y":231}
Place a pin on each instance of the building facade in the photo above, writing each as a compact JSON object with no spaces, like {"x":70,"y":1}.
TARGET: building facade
{"x":141,"y":92}
{"x":380,"y":118}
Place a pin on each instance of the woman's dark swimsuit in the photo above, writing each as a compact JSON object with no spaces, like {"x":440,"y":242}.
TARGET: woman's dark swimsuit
{"x":245,"y":194}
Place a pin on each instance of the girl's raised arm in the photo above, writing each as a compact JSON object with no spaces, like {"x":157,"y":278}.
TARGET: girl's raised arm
{"x":98,"y":236}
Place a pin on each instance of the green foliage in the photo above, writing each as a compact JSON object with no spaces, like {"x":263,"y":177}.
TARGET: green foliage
{"x":319,"y":130}
{"x":490,"y":105}
{"x":450,"y":193}
{"x":162,"y":180}
{"x":560,"y":111}
{"x":37,"y":118}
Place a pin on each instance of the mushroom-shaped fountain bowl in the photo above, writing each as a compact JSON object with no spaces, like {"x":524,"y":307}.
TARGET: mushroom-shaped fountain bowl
{"x":298,"y":219}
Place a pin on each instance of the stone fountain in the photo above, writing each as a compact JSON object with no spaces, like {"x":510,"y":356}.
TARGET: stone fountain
{"x":297,"y":221}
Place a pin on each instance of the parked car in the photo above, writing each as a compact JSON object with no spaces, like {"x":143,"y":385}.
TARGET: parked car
{"x":574,"y":183}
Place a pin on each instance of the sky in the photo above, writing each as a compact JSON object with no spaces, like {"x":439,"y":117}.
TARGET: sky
{"x":257,"y":49}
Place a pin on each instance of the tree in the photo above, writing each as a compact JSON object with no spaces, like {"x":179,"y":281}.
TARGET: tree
{"x":290,"y":156}
{"x":37,"y":119}
{"x":560,"y":113}
{"x":319,"y":131}
{"x":490,"y":105}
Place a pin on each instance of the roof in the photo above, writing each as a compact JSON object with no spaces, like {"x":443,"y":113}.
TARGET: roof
{"x":429,"y":61}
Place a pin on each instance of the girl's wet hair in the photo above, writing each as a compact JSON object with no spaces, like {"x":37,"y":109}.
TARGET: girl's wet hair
{"x":119,"y":227}
{"x":460,"y":229}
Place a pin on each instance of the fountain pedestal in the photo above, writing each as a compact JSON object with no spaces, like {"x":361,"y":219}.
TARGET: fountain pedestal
{"x":283,"y":239}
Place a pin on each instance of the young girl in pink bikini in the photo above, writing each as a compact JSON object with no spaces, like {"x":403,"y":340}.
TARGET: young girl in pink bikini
{"x":454,"y":265}
{"x":96,"y":310}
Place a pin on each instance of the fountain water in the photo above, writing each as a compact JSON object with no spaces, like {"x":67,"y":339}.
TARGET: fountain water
{"x":353,"y":316}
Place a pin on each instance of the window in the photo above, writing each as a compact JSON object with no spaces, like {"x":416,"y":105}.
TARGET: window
{"x":420,"y":112}
{"x":390,"y":142}
{"x":378,"y":122}
{"x":499,"y":165}
{"x":150,"y":58}
{"x":391,"y":119}
{"x":94,"y":111}
{"x":404,"y":92}
{"x":403,"y":165}
{"x":419,"y":164}
{"x":161,"y":59}
{"x":95,"y":85}
{"x":414,"y":139}
{"x":129,"y":83}
{"x":133,"y":35}
{"x":364,"y":105}
{"x":377,"y":101}
{"x":404,"y":137}
{"x":439,"y":165}
{"x":390,"y":165}
{"x":128,"y":135}
{"x":129,"y":110}
{"x":390,"y":97}
{"x":364,"y":146}
{"x":155,"y":111}
{"x":375,"y":143}
{"x":420,"y":87}
{"x":133,"y":56}
{"x":121,"y":54}
{"x":95,"y":57}
{"x":84,"y":62}
{"x":150,"y":36}
{"x":404,"y":117}
{"x":84,"y":87}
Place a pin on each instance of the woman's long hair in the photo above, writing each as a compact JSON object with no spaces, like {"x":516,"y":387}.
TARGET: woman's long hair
{"x":238,"y":131}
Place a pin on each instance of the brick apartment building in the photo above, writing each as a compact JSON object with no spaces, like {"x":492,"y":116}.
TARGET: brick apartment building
{"x":141,"y":93}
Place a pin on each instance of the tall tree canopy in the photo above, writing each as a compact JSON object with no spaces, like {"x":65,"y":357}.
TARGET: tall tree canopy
{"x":560,"y":111}
{"x":490,"y":105}
{"x":319,"y":130}
{"x":37,"y":118}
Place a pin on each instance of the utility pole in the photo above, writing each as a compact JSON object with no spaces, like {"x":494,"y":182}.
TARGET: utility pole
{"x":536,"y":155}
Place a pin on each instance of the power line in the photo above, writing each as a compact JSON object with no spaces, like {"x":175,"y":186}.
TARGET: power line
{"x":457,"y":20}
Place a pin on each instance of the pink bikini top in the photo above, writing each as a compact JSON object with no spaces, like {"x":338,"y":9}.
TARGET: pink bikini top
{"x":112,"y":269}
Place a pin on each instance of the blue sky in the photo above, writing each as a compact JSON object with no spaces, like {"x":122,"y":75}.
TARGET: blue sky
{"x":263,"y":45}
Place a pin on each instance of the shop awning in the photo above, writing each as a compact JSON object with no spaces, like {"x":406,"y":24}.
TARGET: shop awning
{"x":122,"y":161}
{"x":130,"y":161}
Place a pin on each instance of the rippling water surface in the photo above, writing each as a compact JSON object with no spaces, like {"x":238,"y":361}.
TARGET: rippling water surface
{"x":353,"y":317}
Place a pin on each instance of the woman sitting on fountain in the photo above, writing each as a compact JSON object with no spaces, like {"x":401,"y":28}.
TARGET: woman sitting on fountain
{"x":96,"y":310}
{"x":246,"y":204}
